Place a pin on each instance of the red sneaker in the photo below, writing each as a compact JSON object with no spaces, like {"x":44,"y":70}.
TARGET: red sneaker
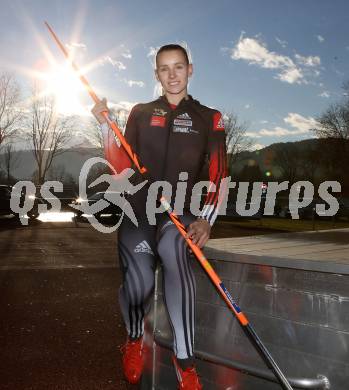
{"x":187,"y":379}
{"x":132,"y":360}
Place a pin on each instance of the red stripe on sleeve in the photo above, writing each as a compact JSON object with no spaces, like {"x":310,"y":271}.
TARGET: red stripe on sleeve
{"x":116,"y":155}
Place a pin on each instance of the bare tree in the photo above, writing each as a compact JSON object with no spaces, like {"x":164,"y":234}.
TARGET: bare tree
{"x":10,"y":114}
{"x":333,"y":131}
{"x":120,"y":115}
{"x":95,"y":173}
{"x":57,"y":172}
{"x":94,"y":134}
{"x":10,"y":159}
{"x":334,"y":122}
{"x":309,"y":162}
{"x":94,"y":129}
{"x":346,"y":90}
{"x":48,"y":133}
{"x":288,"y":159}
{"x":236,"y":139}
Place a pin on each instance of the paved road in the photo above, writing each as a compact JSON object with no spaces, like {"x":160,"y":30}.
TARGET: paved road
{"x":60,"y":326}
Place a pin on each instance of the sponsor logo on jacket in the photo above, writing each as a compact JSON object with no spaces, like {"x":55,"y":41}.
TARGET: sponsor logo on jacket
{"x":159,"y":112}
{"x":184,"y":116}
{"x":218,"y":122}
{"x":158,"y":117}
{"x":183,"y":124}
{"x":159,"y":121}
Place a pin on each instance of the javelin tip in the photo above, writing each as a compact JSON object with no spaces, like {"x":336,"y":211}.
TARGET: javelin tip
{"x":50,"y":29}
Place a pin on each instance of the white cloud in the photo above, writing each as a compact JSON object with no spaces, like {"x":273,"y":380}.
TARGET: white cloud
{"x":152,"y":51}
{"x":127,"y":54}
{"x":320,"y":38}
{"x":263,"y":122}
{"x":247,"y":106}
{"x":257,"y":146}
{"x":123,"y":105}
{"x":276,"y":132}
{"x":301,"y":126}
{"x":255,"y":52}
{"x":152,"y":54}
{"x":308,"y":61}
{"x":119,"y":65}
{"x":116,"y":64}
{"x":282,"y":43}
{"x":136,"y":83}
{"x":291,"y":76}
{"x":325,"y":94}
{"x":300,"y":123}
{"x":253,"y":134}
{"x":309,"y":64}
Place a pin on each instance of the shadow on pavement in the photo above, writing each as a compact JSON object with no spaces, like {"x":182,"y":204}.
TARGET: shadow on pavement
{"x":10,"y":222}
{"x":61,"y":329}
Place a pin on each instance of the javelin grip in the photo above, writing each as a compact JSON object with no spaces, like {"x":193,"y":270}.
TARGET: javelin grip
{"x":125,"y":144}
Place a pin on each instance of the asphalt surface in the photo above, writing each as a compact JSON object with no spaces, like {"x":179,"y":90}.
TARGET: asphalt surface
{"x":60,"y":324}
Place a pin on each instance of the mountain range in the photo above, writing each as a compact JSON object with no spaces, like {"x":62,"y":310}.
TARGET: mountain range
{"x":69,"y":163}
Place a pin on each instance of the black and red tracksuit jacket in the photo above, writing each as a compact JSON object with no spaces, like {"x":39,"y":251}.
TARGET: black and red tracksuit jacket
{"x":169,"y":140}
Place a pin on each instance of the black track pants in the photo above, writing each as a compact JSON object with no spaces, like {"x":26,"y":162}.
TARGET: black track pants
{"x":139,"y":249}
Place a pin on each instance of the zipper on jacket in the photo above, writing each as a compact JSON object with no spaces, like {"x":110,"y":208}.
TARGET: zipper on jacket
{"x":169,"y":128}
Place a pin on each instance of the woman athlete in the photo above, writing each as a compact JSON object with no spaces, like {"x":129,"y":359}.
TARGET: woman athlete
{"x":174,"y":137}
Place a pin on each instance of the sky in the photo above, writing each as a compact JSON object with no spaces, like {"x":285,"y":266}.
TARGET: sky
{"x":276,"y":64}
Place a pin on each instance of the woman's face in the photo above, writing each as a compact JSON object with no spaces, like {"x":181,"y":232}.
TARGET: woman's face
{"x":173,"y":72}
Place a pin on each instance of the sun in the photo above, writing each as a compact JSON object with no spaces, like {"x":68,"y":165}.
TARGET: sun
{"x":61,"y":83}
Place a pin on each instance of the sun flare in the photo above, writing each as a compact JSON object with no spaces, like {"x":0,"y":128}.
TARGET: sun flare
{"x":65,"y":87}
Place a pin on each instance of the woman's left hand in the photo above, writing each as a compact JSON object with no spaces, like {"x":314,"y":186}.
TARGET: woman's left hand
{"x":199,"y":232}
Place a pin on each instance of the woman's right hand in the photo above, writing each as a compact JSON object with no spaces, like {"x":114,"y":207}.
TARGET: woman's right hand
{"x":98,"y":109}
